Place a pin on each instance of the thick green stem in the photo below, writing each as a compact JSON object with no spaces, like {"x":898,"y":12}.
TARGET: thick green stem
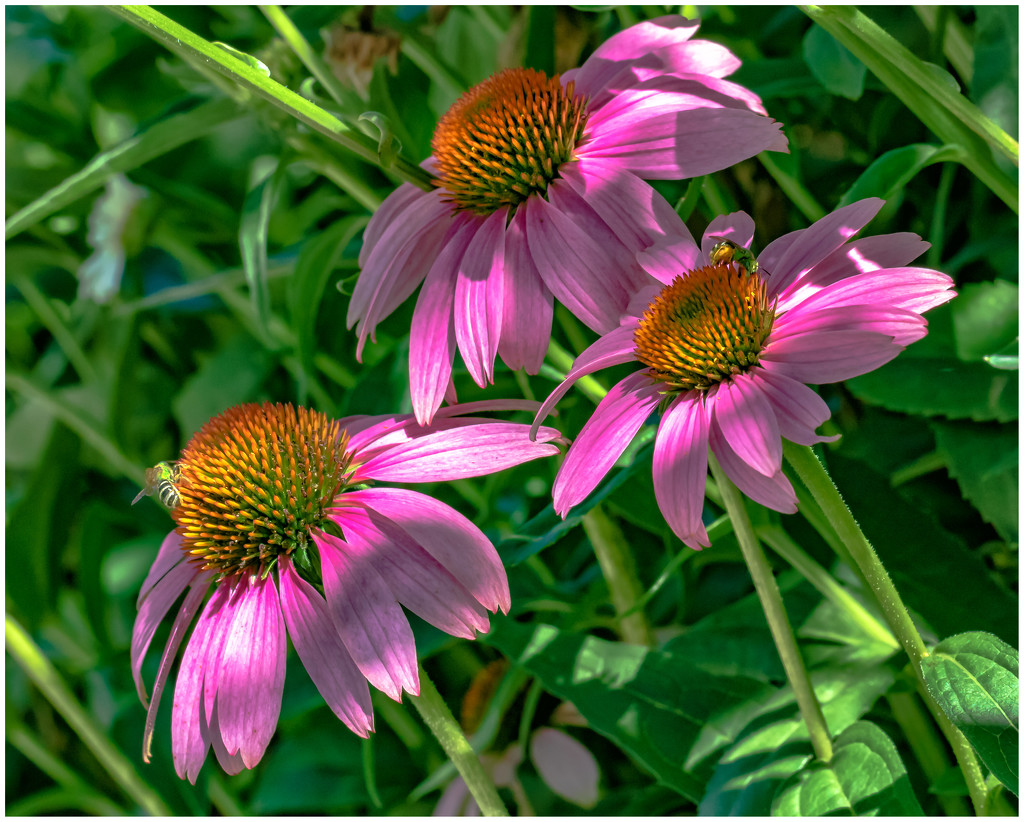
{"x":45,"y":677}
{"x":562,"y":361}
{"x":775,"y":613}
{"x":191,"y":46}
{"x":619,"y":572}
{"x":814,"y":476}
{"x":448,"y":732}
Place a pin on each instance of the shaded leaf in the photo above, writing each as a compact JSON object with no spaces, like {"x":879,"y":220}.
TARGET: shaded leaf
{"x":865,"y":777}
{"x":974,"y":678}
{"x":833,"y":65}
{"x":985,"y":317}
{"x":894,"y":169}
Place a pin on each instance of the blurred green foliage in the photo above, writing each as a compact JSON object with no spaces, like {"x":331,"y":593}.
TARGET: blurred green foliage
{"x":224,"y":238}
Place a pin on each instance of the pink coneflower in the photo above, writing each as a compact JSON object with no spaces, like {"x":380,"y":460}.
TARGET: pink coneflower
{"x":275,"y":509}
{"x":540,"y":195}
{"x":729,"y":345}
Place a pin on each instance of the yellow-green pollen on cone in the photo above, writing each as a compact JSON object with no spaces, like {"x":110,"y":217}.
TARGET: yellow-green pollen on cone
{"x":254,"y":482}
{"x":505,"y":139}
{"x":704,"y":327}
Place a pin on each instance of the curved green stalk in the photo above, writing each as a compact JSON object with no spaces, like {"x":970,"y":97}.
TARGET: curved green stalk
{"x":443,"y":725}
{"x":38,"y":668}
{"x":814,"y":476}
{"x":191,"y":46}
{"x":775,"y":612}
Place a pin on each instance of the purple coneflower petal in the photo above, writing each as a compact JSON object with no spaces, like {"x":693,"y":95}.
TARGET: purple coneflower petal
{"x":774,"y":492}
{"x":744,"y":416}
{"x":169,"y":555}
{"x":528,"y":305}
{"x":680,"y":468}
{"x":455,"y":542}
{"x":635,"y":212}
{"x":910,"y":289}
{"x":682,"y":144}
{"x":903,"y":326}
{"x":583,"y":269}
{"x":369,"y":621}
{"x":830,"y":356}
{"x":231,"y":764}
{"x":322,"y":652}
{"x":152,"y":612}
{"x":615,"y":421}
{"x":189,"y":738}
{"x":791,"y":256}
{"x":390,"y":212}
{"x":614,"y":348}
{"x":460,"y":452}
{"x":737,"y":228}
{"x":666,"y":261}
{"x":417,"y":580}
{"x":251,"y":680}
{"x":798,"y":410}
{"x":696,"y":57}
{"x":181,"y":622}
{"x":432,"y":335}
{"x":565,"y":765}
{"x":479,"y":298}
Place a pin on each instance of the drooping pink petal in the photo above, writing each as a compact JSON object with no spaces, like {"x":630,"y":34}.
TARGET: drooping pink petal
{"x":615,"y":421}
{"x":231,"y":764}
{"x":911,"y":289}
{"x":392,"y":210}
{"x":789,"y":261}
{"x":479,"y":298}
{"x":454,"y":541}
{"x":397,"y":267}
{"x":903,"y":326}
{"x":680,"y":468}
{"x":322,"y":652}
{"x":583,"y":269}
{"x":635,"y":212}
{"x":432,"y":334}
{"x":798,"y":410}
{"x":745,"y":418}
{"x":669,"y":259}
{"x":614,"y":348}
{"x":251,"y":680}
{"x":366,"y":616}
{"x":460,"y":452}
{"x":181,"y":622}
{"x":683,"y":144}
{"x":773,"y":492}
{"x":701,"y":57}
{"x":152,"y":612}
{"x":418,"y":581}
{"x":528,"y":304}
{"x":189,"y":742}
{"x":566,"y":766}
{"x":737,"y":228}
{"x":830,"y":356}
{"x":170,"y":554}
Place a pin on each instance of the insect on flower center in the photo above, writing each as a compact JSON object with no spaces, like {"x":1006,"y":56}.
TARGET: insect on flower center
{"x":505,"y":138}
{"x":705,"y":326}
{"x":254,"y":481}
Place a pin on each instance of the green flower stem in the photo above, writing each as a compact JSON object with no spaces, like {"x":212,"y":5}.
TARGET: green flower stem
{"x":798,"y":194}
{"x":775,"y":612}
{"x":310,"y":59}
{"x":619,"y":572}
{"x":562,"y":361}
{"x":812,"y":473}
{"x":190,"y":46}
{"x":821,"y":579}
{"x":440,"y":720}
{"x":38,"y":668}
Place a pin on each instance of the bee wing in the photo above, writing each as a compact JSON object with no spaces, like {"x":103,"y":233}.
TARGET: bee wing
{"x":140,"y":495}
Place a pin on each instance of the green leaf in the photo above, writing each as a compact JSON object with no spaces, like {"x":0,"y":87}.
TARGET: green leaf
{"x":865,"y":777}
{"x":833,"y":65}
{"x":985,"y":462}
{"x":950,"y":115}
{"x":985,"y":318}
{"x":938,"y":386}
{"x":252,"y":238}
{"x":775,"y":744}
{"x":165,"y":136}
{"x":938,"y":578}
{"x":974,"y":678}
{"x":388,"y":144}
{"x":893,"y":170}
